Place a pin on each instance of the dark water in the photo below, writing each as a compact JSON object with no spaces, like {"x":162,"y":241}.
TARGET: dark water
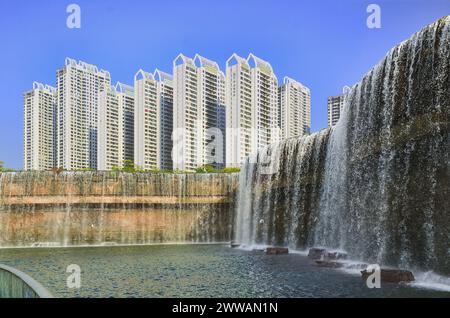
{"x":192,"y":271}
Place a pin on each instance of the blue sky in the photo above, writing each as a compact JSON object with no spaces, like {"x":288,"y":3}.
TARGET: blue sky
{"x":322,"y":43}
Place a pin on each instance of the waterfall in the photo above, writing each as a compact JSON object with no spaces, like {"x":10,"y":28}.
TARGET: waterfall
{"x":109,"y":208}
{"x":378,"y":183}
{"x":279,"y":192}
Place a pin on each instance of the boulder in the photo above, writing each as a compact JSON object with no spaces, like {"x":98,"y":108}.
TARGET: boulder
{"x":317,"y":253}
{"x":234,"y":244}
{"x":391,"y":275}
{"x":277,"y":250}
{"x":336,"y":255}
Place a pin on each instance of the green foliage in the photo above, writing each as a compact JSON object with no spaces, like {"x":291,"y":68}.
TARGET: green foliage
{"x":128,"y":166}
{"x":3,"y":169}
{"x":205,"y":169}
{"x":231,"y":170}
{"x":211,"y":169}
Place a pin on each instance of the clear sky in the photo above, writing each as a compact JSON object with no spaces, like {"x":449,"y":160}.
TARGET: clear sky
{"x":322,"y":43}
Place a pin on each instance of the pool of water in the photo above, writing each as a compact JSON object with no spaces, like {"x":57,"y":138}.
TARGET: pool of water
{"x":192,"y":271}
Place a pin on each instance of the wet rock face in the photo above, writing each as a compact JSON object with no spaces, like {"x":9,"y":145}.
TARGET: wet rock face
{"x":108,"y":208}
{"x":376,"y":185}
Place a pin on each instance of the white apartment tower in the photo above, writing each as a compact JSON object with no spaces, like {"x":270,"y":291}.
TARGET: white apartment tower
{"x":239,"y":110}
{"x":164,"y":101}
{"x":199,"y":113}
{"x":39,"y":127}
{"x":295,"y":109}
{"x":335,"y":107}
{"x":78,"y":87}
{"x":153,"y":120}
{"x":211,"y":99}
{"x":115,"y":127}
{"x":252,"y":100}
{"x":126,"y":128}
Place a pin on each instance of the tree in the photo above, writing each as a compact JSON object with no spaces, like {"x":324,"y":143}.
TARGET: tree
{"x":206,"y":169}
{"x":129,"y":166}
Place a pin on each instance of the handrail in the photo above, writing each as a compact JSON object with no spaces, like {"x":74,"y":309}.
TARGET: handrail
{"x":36,"y":288}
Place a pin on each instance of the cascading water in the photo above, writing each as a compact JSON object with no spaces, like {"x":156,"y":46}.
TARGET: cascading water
{"x":378,"y":183}
{"x":106,"y":208}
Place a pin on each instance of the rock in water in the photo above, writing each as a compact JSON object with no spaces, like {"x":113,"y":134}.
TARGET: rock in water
{"x":234,"y":245}
{"x":392,"y":275}
{"x":336,"y":255}
{"x":317,"y":253}
{"x":277,"y":250}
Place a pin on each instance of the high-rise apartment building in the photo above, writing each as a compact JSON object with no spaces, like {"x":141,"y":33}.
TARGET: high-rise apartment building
{"x":335,"y":107}
{"x":199,"y":113}
{"x":78,"y":88}
{"x":239,"y":116}
{"x":264,"y":102}
{"x":194,"y":118}
{"x":39,"y":127}
{"x":115,"y":127}
{"x":126,"y":111}
{"x":252,"y":107}
{"x":164,"y":101}
{"x":153,"y":120}
{"x":211,"y":99}
{"x":294,"y":109}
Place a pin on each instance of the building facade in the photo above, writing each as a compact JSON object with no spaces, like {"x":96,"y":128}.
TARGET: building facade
{"x":39,"y":128}
{"x":115,"y":127}
{"x":126,"y":129}
{"x":252,"y":104}
{"x":164,"y":101}
{"x":239,"y":110}
{"x":153,"y":120}
{"x":335,"y":108}
{"x":198,"y":116}
{"x":199,"y":113}
{"x":78,"y":88}
{"x":211,"y":110}
{"x":294,"y":109}
{"x":186,"y":119}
